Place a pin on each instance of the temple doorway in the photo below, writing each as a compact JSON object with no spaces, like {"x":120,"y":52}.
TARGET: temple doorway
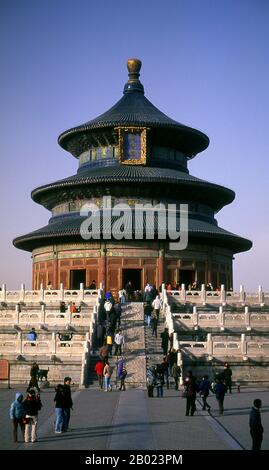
{"x":77,"y":276}
{"x":186,"y":277}
{"x":133,"y":275}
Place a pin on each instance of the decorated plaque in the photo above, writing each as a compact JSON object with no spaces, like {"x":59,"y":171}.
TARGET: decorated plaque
{"x":133,"y":145}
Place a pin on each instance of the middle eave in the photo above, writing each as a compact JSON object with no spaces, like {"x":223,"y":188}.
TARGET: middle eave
{"x":92,"y":182}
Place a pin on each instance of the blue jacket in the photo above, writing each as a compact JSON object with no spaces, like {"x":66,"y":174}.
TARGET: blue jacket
{"x":17,"y":409}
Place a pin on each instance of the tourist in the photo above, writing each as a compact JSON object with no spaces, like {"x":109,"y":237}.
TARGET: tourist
{"x":204,"y":387}
{"x":220,"y":391}
{"x":104,"y":352}
{"x":122,"y":373}
{"x":68,"y":403}
{"x":151,"y":375}
{"x":17,"y":414}
{"x":129,"y":291}
{"x":100,"y":333}
{"x":165,"y":370}
{"x":156,"y":304}
{"x":119,"y":342}
{"x":147,"y":313}
{"x":59,"y":408}
{"x":190,"y":389}
{"x":33,"y":377}
{"x":32,"y":405}
{"x":172,"y":359}
{"x":49,"y":286}
{"x":92,"y":285}
{"x":122,"y":296}
{"x":159,"y":380}
{"x":108,"y":307}
{"x":176,"y":374}
{"x":62,"y":307}
{"x":255,"y":424}
{"x":227,"y":376}
{"x":117,"y":310}
{"x":32,"y":336}
{"x":107,"y":372}
{"x":99,"y":368}
{"x":154,"y":324}
{"x":109,"y":342}
{"x":165,"y":340}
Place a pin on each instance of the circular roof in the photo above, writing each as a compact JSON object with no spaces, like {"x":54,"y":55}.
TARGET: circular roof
{"x":134,"y":109}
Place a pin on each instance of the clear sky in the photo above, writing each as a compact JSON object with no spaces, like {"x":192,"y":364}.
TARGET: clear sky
{"x":205,"y":64}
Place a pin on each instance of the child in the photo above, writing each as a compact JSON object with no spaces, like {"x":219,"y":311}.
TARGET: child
{"x":17,"y":413}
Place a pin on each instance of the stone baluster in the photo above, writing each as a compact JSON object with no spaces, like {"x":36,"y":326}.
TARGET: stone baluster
{"x":247,"y":319}
{"x":243,"y":344}
{"x":260,"y":296}
{"x":69,"y":314}
{"x":41,"y":293}
{"x":209,"y":346}
{"x":242,"y":295}
{"x":203,"y":294}
{"x":222,"y":294}
{"x":195,"y":318}
{"x":43,"y":314}
{"x":4,"y":292}
{"x":221,"y":318}
{"x":22,"y":293}
{"x":53,"y":345}
{"x":61,"y":292}
{"x":18,"y":309}
{"x":81,"y":291}
{"x":183,"y":293}
{"x":19,"y":343}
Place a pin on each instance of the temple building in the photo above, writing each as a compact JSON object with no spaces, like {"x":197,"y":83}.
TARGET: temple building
{"x":132,"y":154}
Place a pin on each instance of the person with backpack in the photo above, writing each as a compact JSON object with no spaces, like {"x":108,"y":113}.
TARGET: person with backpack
{"x":17,"y":413}
{"x":32,"y":405}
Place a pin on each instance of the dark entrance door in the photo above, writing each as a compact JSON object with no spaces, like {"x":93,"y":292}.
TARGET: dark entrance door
{"x":76,"y":277}
{"x":133,"y":275}
{"x":186,"y":277}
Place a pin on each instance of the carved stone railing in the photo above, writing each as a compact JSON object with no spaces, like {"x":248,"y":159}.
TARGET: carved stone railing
{"x":221,"y":319}
{"x":49,"y":295}
{"x":47,"y":317}
{"x":221,"y":296}
{"x":74,"y":347}
{"x":216,"y":348}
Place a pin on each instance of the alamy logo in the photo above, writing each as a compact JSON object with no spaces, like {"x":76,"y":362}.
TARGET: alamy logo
{"x":141,"y":222}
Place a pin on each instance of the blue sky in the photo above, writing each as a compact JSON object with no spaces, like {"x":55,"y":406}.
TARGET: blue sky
{"x":205,"y":64}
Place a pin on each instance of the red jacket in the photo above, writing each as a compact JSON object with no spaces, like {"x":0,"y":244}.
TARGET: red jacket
{"x":99,"y":367}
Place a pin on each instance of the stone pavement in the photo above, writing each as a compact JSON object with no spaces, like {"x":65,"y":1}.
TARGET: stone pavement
{"x":131,"y":420}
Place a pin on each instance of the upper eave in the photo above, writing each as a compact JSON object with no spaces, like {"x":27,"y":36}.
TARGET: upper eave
{"x":135,"y":110}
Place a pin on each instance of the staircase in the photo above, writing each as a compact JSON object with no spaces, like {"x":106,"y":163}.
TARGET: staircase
{"x":154,"y":352}
{"x":132,"y":325}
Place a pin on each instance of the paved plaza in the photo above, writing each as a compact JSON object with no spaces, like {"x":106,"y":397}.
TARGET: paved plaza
{"x":132,"y":421}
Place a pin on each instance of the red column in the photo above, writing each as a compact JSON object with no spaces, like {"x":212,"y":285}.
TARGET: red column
{"x":55,"y":272}
{"x":161,"y":267}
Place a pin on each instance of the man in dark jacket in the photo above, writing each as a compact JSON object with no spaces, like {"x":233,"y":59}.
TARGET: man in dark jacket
{"x":255,"y":424}
{"x":68,"y":403}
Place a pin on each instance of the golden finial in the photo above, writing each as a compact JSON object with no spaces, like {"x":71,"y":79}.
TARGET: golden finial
{"x":133,"y":84}
{"x":134,"y":66}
